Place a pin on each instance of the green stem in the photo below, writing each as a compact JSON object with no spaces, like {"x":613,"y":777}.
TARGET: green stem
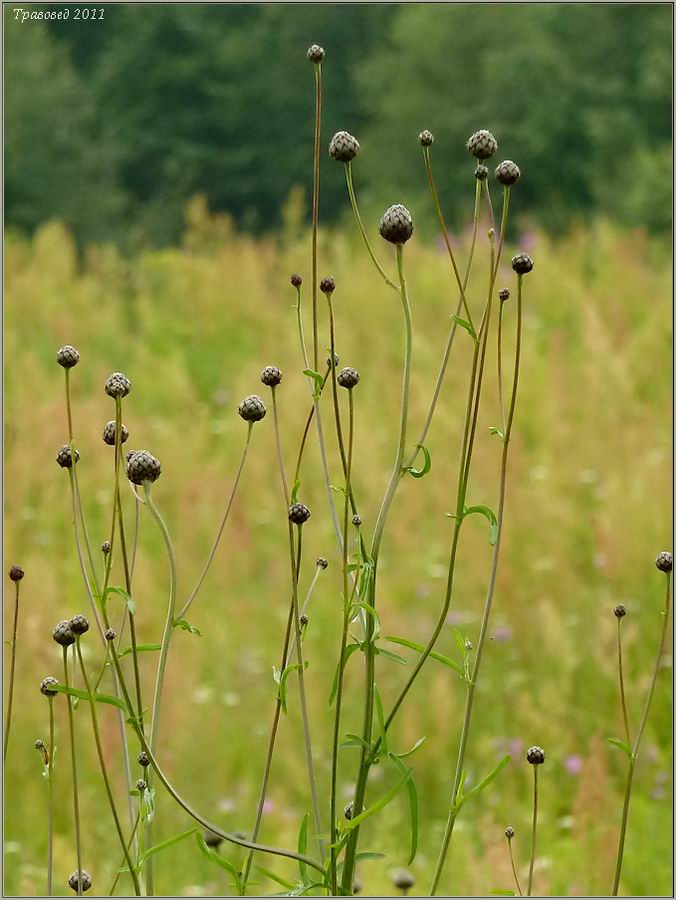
{"x":362,"y":230}
{"x":73,"y":760}
{"x":639,"y":737}
{"x":533,"y":831}
{"x":12,"y":666}
{"x":50,"y":800}
{"x":278,"y":441}
{"x":511,"y":858}
{"x":104,"y":771}
{"x":623,"y":698}
{"x":315,"y":209}
{"x":127,"y":849}
{"x":186,"y":606}
{"x":500,"y":386}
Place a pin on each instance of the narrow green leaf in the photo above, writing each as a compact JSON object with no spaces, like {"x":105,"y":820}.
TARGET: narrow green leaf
{"x":464,"y":324}
{"x":140,"y":648}
{"x":492,"y":775}
{"x":163,"y":845}
{"x":219,"y":860}
{"x":354,"y":741}
{"x":381,"y":651}
{"x":184,"y":625}
{"x":377,"y":806}
{"x":271,"y":875}
{"x":294,"y":492}
{"x":83,"y":695}
{"x":374,"y":615}
{"x":417,"y":744}
{"x":427,"y":463}
{"x":283,"y":679}
{"x":318,"y":380}
{"x":487,"y":513}
{"x":438,"y":656}
{"x":495,"y":430}
{"x":621,"y":745}
{"x":302,"y":847}
{"x":380,"y":715}
{"x":349,"y":650}
{"x":412,"y":803}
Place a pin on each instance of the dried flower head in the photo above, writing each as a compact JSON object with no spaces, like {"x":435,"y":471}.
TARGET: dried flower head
{"x":396,"y":225}
{"x":327,"y":285}
{"x":426,"y":138}
{"x":117,"y":385}
{"x":343,"y":147}
{"x":620,"y":611}
{"x":105,"y":548}
{"x":336,"y":360}
{"x":522,"y":264}
{"x":298,"y":513}
{"x":481,"y":172}
{"x":508,"y":173}
{"x":303,"y":620}
{"x":211,"y":839}
{"x":64,"y":457}
{"x":252,"y":409}
{"x":141,"y":785}
{"x":271,"y":376}
{"x":67,"y":356}
{"x":503,"y":294}
{"x":322,"y":563}
{"x":347,"y":811}
{"x":63,"y":633}
{"x":296,"y":280}
{"x":109,"y":433}
{"x":403,"y":880}
{"x":39,"y":744}
{"x":315,"y":53}
{"x":482,"y":144}
{"x":143,"y":467}
{"x":356,"y":520}
{"x":16,"y":573}
{"x":535,"y":756}
{"x":664,"y":561}
{"x":79,"y":624}
{"x":348,"y":378}
{"x":110,"y":634}
{"x":83,"y":878}
{"x":46,"y":686}
{"x":143,"y":759}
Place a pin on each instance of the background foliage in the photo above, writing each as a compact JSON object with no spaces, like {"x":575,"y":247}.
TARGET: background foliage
{"x":113,"y":125}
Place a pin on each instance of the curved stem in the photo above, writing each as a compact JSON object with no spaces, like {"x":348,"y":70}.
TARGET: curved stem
{"x":104,"y":771}
{"x":511,"y":858}
{"x":533,"y":831}
{"x":127,"y":849}
{"x":12,"y":667}
{"x":186,"y":606}
{"x":73,"y":760}
{"x":362,"y":230}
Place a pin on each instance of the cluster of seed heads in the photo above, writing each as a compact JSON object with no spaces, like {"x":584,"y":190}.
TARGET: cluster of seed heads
{"x":64,"y":457}
{"x":79,"y":624}
{"x":82,"y":879}
{"x":271,"y":376}
{"x":348,"y":378}
{"x":110,"y":431}
{"x":396,"y":225}
{"x":211,"y":839}
{"x":336,"y":360}
{"x":105,"y":548}
{"x":482,"y":144}
{"x":535,"y":756}
{"x":356,"y":520}
{"x":481,"y":172}
{"x":143,"y":467}
{"x":252,"y":409}
{"x":343,"y":147}
{"x":141,"y":785}
{"x":298,"y":513}
{"x":16,"y":573}
{"x":117,"y":385}
{"x":67,"y":357}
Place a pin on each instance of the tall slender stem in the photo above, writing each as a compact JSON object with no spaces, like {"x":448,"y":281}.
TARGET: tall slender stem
{"x":188,"y":603}
{"x":315,"y":209}
{"x":533,"y":831}
{"x":500,"y":385}
{"x":623,"y":697}
{"x":639,"y":737}
{"x":50,"y":799}
{"x":362,"y":230}
{"x":511,"y":858}
{"x":295,"y":554}
{"x":12,"y":667}
{"x":73,"y":760}
{"x":104,"y":771}
{"x":278,"y":442}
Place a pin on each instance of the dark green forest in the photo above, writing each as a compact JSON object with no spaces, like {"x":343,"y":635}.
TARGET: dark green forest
{"x":113,"y":125}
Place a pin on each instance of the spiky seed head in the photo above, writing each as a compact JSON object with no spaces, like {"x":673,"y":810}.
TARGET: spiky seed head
{"x":143,"y":467}
{"x":109,"y":433}
{"x":39,"y":744}
{"x":303,"y":620}
{"x":403,"y":879}
{"x":143,"y":759}
{"x":271,"y":376}
{"x":211,"y":839}
{"x":67,"y":356}
{"x":481,"y":172}
{"x":503,"y":294}
{"x":347,"y":812}
{"x":46,"y":686}
{"x":396,"y":225}
{"x":296,"y":280}
{"x":426,"y":138}
{"x":111,"y":634}
{"x":298,"y":513}
{"x":348,"y":378}
{"x":620,"y":611}
{"x":141,"y":785}
{"x":315,"y":53}
{"x":105,"y":548}
{"x":16,"y":573}
{"x":327,"y":285}
{"x":79,"y":624}
{"x":117,"y":385}
{"x":664,"y":561}
{"x":522,"y":264}
{"x":482,"y":144}
{"x":322,"y":563}
{"x":63,"y":633}
{"x":84,"y":879}
{"x":535,"y":756}
{"x":509,"y":832}
{"x":343,"y":147}
{"x":65,"y":458}
{"x":252,"y":409}
{"x":336,"y":360}
{"x":507,"y":172}
{"x":356,"y":520}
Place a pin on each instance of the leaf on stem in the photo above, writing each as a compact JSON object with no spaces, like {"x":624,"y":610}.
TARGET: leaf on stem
{"x":83,"y":695}
{"x":487,"y":513}
{"x":412,"y":802}
{"x":216,"y":858}
{"x":283,"y":679}
{"x":447,"y":661}
{"x":349,"y":650}
{"x":427,"y":463}
{"x":294,"y":491}
{"x":163,"y":845}
{"x":140,"y":648}
{"x":184,"y":625}
{"x":621,"y":745}
{"x":463,"y":323}
{"x":318,"y":380}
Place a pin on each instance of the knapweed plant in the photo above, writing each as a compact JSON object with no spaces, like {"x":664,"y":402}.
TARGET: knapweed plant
{"x":329,"y":845}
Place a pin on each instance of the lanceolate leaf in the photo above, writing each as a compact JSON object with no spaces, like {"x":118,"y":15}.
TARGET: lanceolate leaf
{"x":412,"y":803}
{"x":83,"y":695}
{"x":302,"y":847}
{"x":219,"y":860}
{"x":621,"y":745}
{"x":427,"y":463}
{"x":377,"y":806}
{"x":283,"y":679}
{"x":483,"y":784}
{"x":433,"y":655}
{"x":163,"y":845}
{"x":186,"y":626}
{"x":349,"y":650}
{"x":140,"y":648}
{"x":464,"y":324}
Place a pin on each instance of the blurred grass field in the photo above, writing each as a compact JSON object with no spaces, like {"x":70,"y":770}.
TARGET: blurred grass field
{"x":589,"y":507}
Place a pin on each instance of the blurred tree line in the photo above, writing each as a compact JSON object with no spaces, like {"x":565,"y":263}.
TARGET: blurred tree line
{"x":113,"y":125}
